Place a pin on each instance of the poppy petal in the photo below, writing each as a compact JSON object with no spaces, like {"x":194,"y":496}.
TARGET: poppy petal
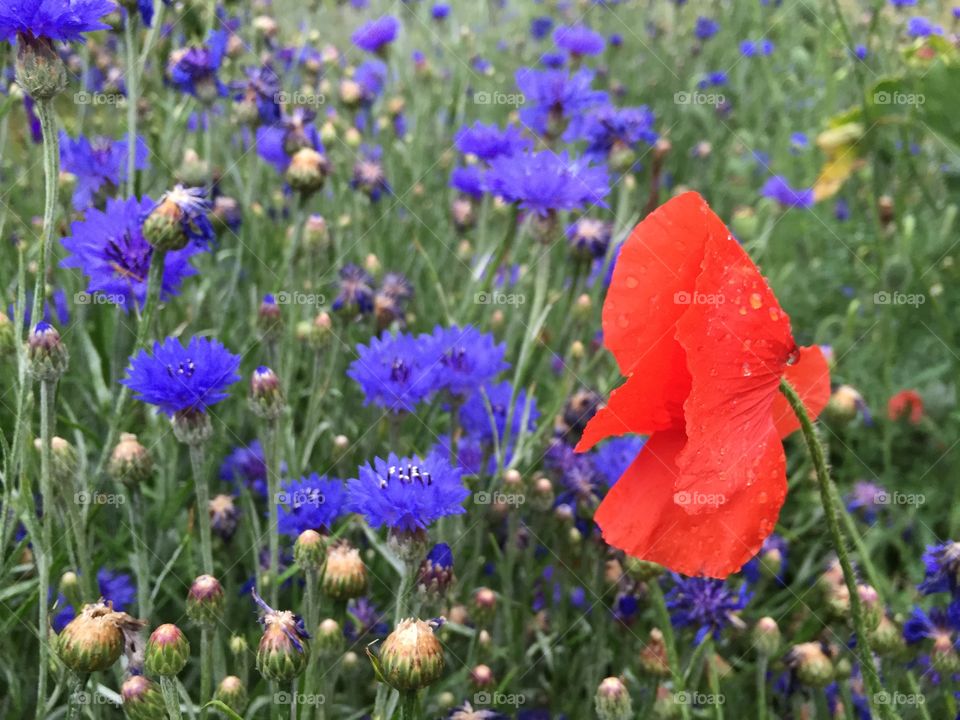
{"x":738,"y":343}
{"x":646,"y":517}
{"x":810,"y":377}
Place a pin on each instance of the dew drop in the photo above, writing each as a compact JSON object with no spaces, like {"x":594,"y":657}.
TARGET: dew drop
{"x":747,"y":372}
{"x":623,"y":320}
{"x":774,"y":315}
{"x":743,"y":310}
{"x":756,"y":301}
{"x":632,"y":281}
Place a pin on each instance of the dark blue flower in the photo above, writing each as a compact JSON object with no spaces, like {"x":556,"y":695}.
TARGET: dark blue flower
{"x":246,"y":464}
{"x":368,"y":173}
{"x":190,"y":204}
{"x":110,"y":249}
{"x":177,"y":378}
{"x":262,"y":87}
{"x":363,"y":619}
{"x":97,"y":163}
{"x":553,"y":60}
{"x":706,"y":28}
{"x":278,"y":143}
{"x":589,"y":238}
{"x":608,"y":129}
{"x":938,"y":625}
{"x":772,"y":559}
{"x":540,"y":27}
{"x":313,"y":502}
{"x":578,"y":40}
{"x":865,"y":499}
{"x":705,"y":603}
{"x":407,"y":494}
{"x":52,"y":19}
{"x":394,"y":372}
{"x":612,"y":458}
{"x":467,"y":358}
{"x":554,"y":97}
{"x":777,"y":188}
{"x":440,"y":11}
{"x":114,"y":587}
{"x":468,"y":180}
{"x":194,"y":69}
{"x":942,"y":564}
{"x":356,"y":290}
{"x":489,"y":141}
{"x":756,"y":48}
{"x":920,"y":27}
{"x":376,"y":35}
{"x":371,"y":76}
{"x":477,"y":420}
{"x":544,"y":182}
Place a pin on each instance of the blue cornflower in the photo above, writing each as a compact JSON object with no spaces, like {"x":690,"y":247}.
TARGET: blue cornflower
{"x":756,"y":48}
{"x":861,"y":52}
{"x":467,"y":358}
{"x":777,"y":188}
{"x":368,"y":173}
{"x":364,"y":619}
{"x":376,"y":35}
{"x":903,"y":3}
{"x":613,"y":457}
{"x":772,"y":559}
{"x":262,"y":87}
{"x":717,"y":78}
{"x":194,"y":70}
{"x":577,"y":473}
{"x":865,"y":499}
{"x":468,"y":180}
{"x":942,"y":568}
{"x":440,"y":11}
{"x":246,"y":464}
{"x":394,"y":372}
{"x":544,"y":182}
{"x":579,"y":40}
{"x":52,"y":19}
{"x":407,"y":494}
{"x":183,"y":379}
{"x":98,"y":163}
{"x":554,"y":97}
{"x":189,"y":206}
{"x":489,"y":141}
{"x":938,"y":625}
{"x":706,"y":28}
{"x":706,"y":603}
{"x":477,"y":420}
{"x":313,"y":502}
{"x":799,"y":141}
{"x":356,"y":290}
{"x":278,"y":143}
{"x":589,"y":238}
{"x":553,"y":60}
{"x":540,"y":27}
{"x":609,"y":130}
{"x":921,"y":27}
{"x":371,"y":76}
{"x":114,"y":587}
{"x":110,"y":249}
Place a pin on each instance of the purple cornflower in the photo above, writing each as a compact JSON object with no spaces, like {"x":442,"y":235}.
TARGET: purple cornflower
{"x":394,"y":372}
{"x":356,"y":290}
{"x":190,"y":206}
{"x":938,"y":625}
{"x":110,"y":249}
{"x":540,"y":27}
{"x":544,"y":182}
{"x":921,"y":27}
{"x":313,"y":502}
{"x":246,"y":464}
{"x":277,"y":144}
{"x":756,"y":48}
{"x":578,"y":40}
{"x":553,"y":60}
{"x":865,"y":499}
{"x":194,"y":70}
{"x":772,"y":559}
{"x":407,"y":494}
{"x":489,"y":141}
{"x":364,"y":619}
{"x":376,"y":35}
{"x":368,"y":173}
{"x":777,"y":188}
{"x":440,"y":11}
{"x":477,"y":420}
{"x":555,"y":98}
{"x":262,"y":88}
{"x":942,"y":569}
{"x":64,"y":20}
{"x":705,"y":603}
{"x":613,"y":457}
{"x":609,"y":130}
{"x":183,"y":379}
{"x":98,"y":163}
{"x":370,"y":76}
{"x":706,"y":28}
{"x":468,"y":180}
{"x":589,"y":238}
{"x":467,"y":358}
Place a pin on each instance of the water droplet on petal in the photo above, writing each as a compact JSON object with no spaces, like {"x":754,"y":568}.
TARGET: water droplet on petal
{"x":756,"y":301}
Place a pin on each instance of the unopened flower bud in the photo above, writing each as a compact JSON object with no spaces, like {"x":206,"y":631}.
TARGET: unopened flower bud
{"x":39,"y":69}
{"x":238,"y":645}
{"x":95,"y":638}
{"x":64,"y":457}
{"x":345,"y":576}
{"x":205,"y":600}
{"x":130,"y":462}
{"x":8,"y":338}
{"x":223,"y":516}
{"x":408,"y":545}
{"x":482,"y":677}
{"x":436,"y":571}
{"x":766,"y":636}
{"x":543,"y":496}
{"x":870,"y":605}
{"x":653,"y":656}
{"x":142,"y":699}
{"x":283,"y":651}
{"x":309,"y":551}
{"x":269,"y":318}
{"x":316,"y":234}
{"x":266,"y":395}
{"x":887,"y":638}
{"x":232,"y":693}
{"x":163,"y":227}
{"x":613,"y":700}
{"x":811,"y":664}
{"x":192,"y":427}
{"x":483,"y":606}
{"x":329,"y":638}
{"x":307,"y":171}
{"x":47,"y":355}
{"x":167,"y":651}
{"x":411,"y":658}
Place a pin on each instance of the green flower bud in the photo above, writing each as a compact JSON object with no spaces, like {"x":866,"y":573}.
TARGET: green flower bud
{"x":232,"y":693}
{"x":309,"y":551}
{"x":205,"y":600}
{"x":167,"y":651}
{"x":641,"y":570}
{"x":192,"y":427}
{"x":887,"y":638}
{"x":345,"y":576}
{"x":283,"y":652}
{"x":94,"y":639}
{"x":811,"y":664}
{"x":411,"y":658}
{"x":163,"y":227}
{"x":329,"y":638}
{"x":47,"y":356}
{"x":613,"y":700}
{"x":142,"y":699}
{"x":130,"y":462}
{"x":307,"y":171}
{"x":8,"y":338}
{"x":766,"y":636}
{"x":39,"y":69}
{"x":266,"y":395}
{"x":653,"y":656}
{"x":483,"y":606}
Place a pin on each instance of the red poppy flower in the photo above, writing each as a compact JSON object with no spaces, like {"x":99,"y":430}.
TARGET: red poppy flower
{"x":906,"y":402}
{"x":704,"y":344}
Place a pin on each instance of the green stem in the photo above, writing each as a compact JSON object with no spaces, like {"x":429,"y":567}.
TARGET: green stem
{"x":203,"y":507}
{"x":130,"y":57}
{"x":666,"y":627}
{"x":51,"y":175}
{"x":168,"y":686}
{"x":88,"y":585}
{"x":75,"y":703}
{"x":713,"y":678}
{"x":312,"y":620}
{"x":830,"y":502}
{"x":273,"y":490}
{"x":762,"y":662}
{"x":136,"y":519}
{"x":45,"y":549}
{"x":206,"y":669}
{"x":409,"y":707}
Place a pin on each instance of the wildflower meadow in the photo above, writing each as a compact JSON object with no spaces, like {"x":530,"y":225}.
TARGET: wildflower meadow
{"x":481,"y":359}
